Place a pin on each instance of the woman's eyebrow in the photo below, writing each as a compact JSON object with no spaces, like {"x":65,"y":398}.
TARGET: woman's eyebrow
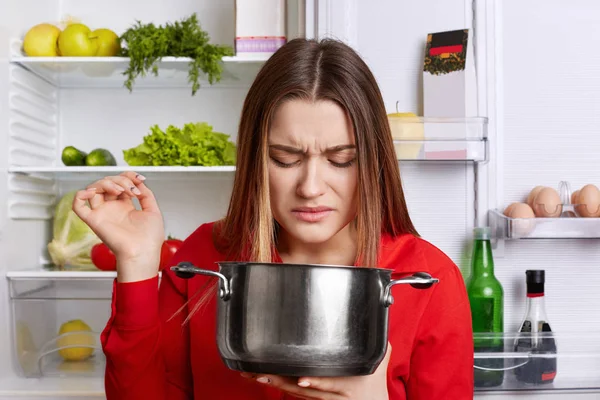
{"x":297,"y":150}
{"x":287,"y":149}
{"x":340,"y":147}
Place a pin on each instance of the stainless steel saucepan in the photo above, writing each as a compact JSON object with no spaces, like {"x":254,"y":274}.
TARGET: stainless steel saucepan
{"x":303,"y":319}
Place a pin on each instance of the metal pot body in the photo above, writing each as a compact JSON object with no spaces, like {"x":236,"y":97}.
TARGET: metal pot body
{"x":302,"y":320}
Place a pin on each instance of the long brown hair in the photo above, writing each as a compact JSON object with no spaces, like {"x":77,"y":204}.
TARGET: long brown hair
{"x":314,"y":70}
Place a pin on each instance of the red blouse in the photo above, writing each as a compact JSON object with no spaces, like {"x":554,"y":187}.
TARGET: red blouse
{"x":153,"y":358}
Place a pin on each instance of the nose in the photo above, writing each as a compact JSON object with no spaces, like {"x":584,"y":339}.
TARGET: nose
{"x":311,"y":182}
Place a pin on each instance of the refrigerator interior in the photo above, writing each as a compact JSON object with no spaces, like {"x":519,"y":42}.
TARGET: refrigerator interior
{"x":86,"y":112}
{"x":47,"y":111}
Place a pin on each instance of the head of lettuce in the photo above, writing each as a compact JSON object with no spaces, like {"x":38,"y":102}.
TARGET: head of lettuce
{"x":72,"y":239}
{"x":196,"y":144}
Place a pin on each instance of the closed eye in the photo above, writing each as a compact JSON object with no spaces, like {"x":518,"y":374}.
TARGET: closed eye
{"x":346,"y":164}
{"x":283,"y":164}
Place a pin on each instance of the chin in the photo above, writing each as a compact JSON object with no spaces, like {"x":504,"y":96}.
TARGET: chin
{"x":311,"y":233}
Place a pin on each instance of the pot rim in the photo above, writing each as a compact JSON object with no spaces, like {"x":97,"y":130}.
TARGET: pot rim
{"x":282,"y":264}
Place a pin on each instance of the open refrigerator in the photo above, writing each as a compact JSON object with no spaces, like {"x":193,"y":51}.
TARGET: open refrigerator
{"x":47,"y":104}
{"x":50,"y":103}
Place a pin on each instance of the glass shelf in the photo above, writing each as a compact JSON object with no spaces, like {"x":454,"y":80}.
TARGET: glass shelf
{"x":577,"y":361}
{"x":440,"y":139}
{"x":504,"y":227}
{"x":51,"y":274}
{"x":103,"y":72}
{"x":87,"y":173}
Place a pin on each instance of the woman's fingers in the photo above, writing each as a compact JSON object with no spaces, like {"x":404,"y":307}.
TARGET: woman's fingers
{"x":147,"y":199}
{"x":96,"y":200}
{"x":107,"y":186}
{"x":121,"y":187}
{"x":80,"y":206}
{"x":290,"y":385}
{"x":114,"y":187}
{"x":322,"y":384}
{"x":126,"y":184}
{"x":134,"y":176}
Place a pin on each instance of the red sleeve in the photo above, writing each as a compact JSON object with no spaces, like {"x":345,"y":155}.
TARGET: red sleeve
{"x":442,"y":358}
{"x":147,"y":355}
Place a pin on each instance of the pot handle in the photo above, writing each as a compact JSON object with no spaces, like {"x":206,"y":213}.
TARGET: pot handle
{"x":186,"y":270}
{"x":418,"y":280}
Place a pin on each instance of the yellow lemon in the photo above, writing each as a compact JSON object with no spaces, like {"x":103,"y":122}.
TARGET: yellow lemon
{"x":71,"y":334}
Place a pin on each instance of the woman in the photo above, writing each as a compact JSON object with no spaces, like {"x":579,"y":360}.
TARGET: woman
{"x":317,"y":181}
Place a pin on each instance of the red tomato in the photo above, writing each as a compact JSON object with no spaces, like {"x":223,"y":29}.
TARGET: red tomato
{"x":169,"y":248}
{"x":103,"y":258}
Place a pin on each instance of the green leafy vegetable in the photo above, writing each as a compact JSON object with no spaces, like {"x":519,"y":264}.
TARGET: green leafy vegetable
{"x":146,"y":44}
{"x":72,"y":239}
{"x":195,"y":144}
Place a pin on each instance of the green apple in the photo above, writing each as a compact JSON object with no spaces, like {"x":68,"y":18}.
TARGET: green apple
{"x":41,"y":41}
{"x":77,"y":41}
{"x":108,"y":42}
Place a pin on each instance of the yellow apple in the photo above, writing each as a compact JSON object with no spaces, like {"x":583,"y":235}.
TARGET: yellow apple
{"x":108,"y":42}
{"x":77,"y":41}
{"x":41,"y":41}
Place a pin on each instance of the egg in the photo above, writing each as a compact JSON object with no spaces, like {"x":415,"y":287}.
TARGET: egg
{"x":589,"y":201}
{"x":532,"y":195}
{"x":509,"y":209}
{"x":547,"y":204}
{"x":524,"y":219}
{"x":574,"y":197}
{"x":521,"y":210}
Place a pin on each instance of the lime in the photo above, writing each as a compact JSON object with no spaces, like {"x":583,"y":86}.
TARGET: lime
{"x":100,"y":158}
{"x":72,"y":156}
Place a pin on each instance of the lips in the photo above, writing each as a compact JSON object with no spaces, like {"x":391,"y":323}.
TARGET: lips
{"x":312,"y":214}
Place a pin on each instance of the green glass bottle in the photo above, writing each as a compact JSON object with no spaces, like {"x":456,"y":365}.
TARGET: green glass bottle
{"x":487,"y":311}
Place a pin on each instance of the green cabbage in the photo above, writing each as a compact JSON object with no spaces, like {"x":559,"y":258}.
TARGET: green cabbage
{"x":72,"y":239}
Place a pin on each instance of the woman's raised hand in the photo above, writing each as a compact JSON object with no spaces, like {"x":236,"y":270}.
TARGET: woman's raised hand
{"x":135,"y":236}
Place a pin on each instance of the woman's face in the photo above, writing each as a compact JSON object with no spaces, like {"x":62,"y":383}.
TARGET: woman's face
{"x":312,"y":170}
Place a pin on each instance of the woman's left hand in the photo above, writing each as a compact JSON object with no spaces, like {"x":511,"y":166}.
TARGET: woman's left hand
{"x":368,"y":387}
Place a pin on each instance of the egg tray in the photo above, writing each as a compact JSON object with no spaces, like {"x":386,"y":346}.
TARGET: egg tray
{"x":569,"y":225}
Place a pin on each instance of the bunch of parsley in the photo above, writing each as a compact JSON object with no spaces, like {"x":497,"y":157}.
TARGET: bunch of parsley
{"x":146,"y":44}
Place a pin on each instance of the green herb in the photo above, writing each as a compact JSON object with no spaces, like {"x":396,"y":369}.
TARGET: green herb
{"x":195,"y":144}
{"x":146,"y":44}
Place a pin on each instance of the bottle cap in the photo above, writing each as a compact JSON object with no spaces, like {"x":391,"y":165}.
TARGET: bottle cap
{"x":482,"y":233}
{"x":535,"y":276}
{"x":535,"y":282}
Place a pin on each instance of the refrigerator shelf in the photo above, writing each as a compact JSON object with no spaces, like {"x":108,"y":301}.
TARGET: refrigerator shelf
{"x":87,"y":173}
{"x":440,"y":139}
{"x":577,"y":361}
{"x":504,"y":227}
{"x":42,"y":274}
{"x":103,"y":72}
{"x":81,"y":387}
{"x":52,"y":274}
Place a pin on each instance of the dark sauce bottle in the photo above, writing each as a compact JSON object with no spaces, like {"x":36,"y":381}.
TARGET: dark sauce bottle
{"x":537,"y":338}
